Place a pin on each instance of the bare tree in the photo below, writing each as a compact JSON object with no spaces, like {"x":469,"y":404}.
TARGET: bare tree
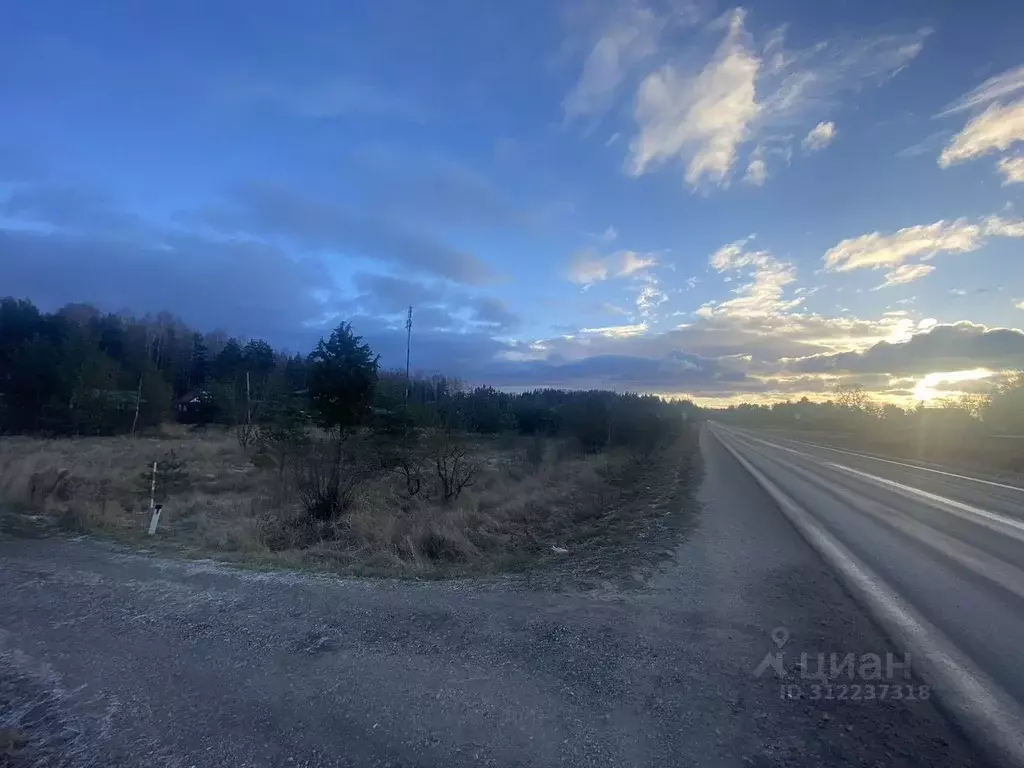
{"x":454,"y":463}
{"x":852,"y":396}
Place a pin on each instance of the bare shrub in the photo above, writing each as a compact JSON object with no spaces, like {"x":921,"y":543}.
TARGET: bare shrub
{"x":401,"y":453}
{"x":480,"y":503}
{"x":454,"y":463}
{"x":247,"y":434}
{"x":328,"y":475}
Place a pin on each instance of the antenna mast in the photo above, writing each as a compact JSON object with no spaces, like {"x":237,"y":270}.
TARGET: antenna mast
{"x":408,"y":348}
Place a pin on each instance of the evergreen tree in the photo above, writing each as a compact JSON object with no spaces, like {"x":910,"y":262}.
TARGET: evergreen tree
{"x":342,"y":376}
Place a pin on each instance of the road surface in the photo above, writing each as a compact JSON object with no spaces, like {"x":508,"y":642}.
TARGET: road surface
{"x":112,"y":658}
{"x":948,"y":549}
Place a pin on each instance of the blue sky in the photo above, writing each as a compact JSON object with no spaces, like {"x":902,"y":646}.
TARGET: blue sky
{"x":676,"y":196}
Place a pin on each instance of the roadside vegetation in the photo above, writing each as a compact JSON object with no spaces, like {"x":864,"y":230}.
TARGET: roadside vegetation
{"x":323,"y":461}
{"x":984,"y":432}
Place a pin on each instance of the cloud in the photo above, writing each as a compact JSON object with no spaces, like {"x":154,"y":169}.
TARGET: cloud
{"x":764,"y":295}
{"x":720,"y":356}
{"x":440,"y":304}
{"x":649,"y":299}
{"x":618,"y":331}
{"x":589,"y":267}
{"x":996,"y":225}
{"x":249,"y":289}
{"x":907,"y":273}
{"x":797,"y":83}
{"x":676,"y":372}
{"x":929,"y":144}
{"x":270,"y":211}
{"x":492,"y":313}
{"x":1019,"y":305}
{"x":701,"y":119}
{"x":757,"y":173}
{"x":998,"y":87}
{"x":956,"y":347}
{"x":819,"y":137}
{"x":70,"y":208}
{"x":626,"y":41}
{"x":1012,"y":169}
{"x":995,"y":129}
{"x":878,"y":251}
{"x":425,"y":188}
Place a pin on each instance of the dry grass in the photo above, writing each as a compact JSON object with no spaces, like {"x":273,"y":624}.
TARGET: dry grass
{"x":525,"y":501}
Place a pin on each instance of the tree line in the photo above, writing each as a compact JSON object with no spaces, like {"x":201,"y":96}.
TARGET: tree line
{"x":851,"y":407}
{"x":79,"y":371}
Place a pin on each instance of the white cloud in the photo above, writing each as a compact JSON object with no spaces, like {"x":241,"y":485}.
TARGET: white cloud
{"x":609,"y":235}
{"x":589,"y":267}
{"x":995,"y":129}
{"x":901,"y":252}
{"x":757,"y":172}
{"x":733,"y":256}
{"x":799,"y":83}
{"x":618,"y":331}
{"x":1000,"y":227}
{"x":876,"y":251}
{"x":998,"y":87}
{"x":625,"y":42}
{"x":1019,"y":305}
{"x":631,"y":262}
{"x":702,"y":118}
{"x":820,"y":136}
{"x":764,"y":295}
{"x":649,"y":298}
{"x":1012,"y":169}
{"x":906,"y":273}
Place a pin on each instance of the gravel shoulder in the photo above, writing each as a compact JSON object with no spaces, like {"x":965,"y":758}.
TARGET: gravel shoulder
{"x":116,"y":659}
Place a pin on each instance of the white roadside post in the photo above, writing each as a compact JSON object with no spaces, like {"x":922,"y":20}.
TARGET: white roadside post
{"x":155,"y":520}
{"x":154,"y":508}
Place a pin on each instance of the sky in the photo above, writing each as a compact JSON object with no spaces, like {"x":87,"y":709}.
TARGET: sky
{"x":682,"y":197}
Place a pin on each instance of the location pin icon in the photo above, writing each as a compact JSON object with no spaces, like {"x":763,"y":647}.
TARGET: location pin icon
{"x":780,"y":636}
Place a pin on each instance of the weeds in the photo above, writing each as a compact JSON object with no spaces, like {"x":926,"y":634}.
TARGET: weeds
{"x":409,"y":504}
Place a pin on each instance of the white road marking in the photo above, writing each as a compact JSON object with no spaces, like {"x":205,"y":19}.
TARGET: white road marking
{"x":1007,"y":576}
{"x":985,"y":710}
{"x":908,"y":466}
{"x":1012,"y":522}
{"x":984,"y":514}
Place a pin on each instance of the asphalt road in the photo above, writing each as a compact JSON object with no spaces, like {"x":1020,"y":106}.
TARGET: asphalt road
{"x":111,"y":658}
{"x":949,"y":547}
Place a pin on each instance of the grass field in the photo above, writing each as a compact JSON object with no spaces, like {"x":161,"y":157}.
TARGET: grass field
{"x":528,"y":503}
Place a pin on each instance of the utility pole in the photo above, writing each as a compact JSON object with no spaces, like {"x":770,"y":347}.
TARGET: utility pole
{"x":408,"y":349}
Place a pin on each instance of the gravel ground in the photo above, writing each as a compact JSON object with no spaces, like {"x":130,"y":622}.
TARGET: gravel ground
{"x":116,"y":659}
